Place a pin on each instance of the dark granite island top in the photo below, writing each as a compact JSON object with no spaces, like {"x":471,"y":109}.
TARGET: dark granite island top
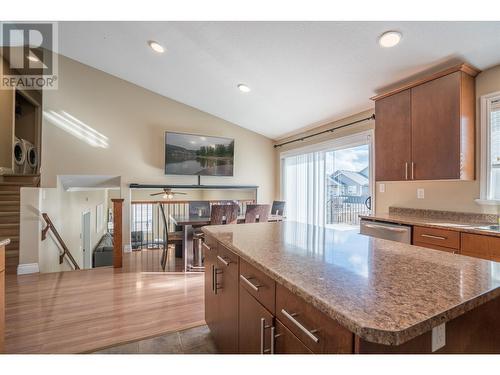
{"x":383,"y":291}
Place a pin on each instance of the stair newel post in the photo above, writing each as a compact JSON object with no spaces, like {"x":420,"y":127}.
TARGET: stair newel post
{"x":117,"y":232}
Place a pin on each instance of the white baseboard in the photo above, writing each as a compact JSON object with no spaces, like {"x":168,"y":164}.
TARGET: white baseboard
{"x":24,"y":269}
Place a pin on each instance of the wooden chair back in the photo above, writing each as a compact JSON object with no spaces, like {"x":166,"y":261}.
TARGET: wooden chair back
{"x":224,"y":214}
{"x":197,"y":207}
{"x":257,"y":213}
{"x":278,"y":208}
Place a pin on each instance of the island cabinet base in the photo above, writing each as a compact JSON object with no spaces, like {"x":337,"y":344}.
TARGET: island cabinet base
{"x":249,"y":313}
{"x":475,"y":332}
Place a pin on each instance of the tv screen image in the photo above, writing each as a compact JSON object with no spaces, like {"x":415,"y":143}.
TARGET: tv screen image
{"x":191,"y":154}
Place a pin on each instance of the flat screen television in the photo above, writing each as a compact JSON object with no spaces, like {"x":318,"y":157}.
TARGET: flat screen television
{"x":191,"y":154}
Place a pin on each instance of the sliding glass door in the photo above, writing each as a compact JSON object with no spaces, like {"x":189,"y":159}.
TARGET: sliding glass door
{"x":329,"y":184}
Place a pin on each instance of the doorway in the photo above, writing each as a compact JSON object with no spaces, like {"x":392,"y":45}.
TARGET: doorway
{"x":331,"y":183}
{"x":86,"y":248}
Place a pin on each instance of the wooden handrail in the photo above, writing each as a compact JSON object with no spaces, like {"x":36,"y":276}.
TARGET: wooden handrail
{"x":66,"y":251}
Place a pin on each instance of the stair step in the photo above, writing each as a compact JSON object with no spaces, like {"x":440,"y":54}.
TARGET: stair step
{"x":11,"y":253}
{"x":11,"y":217}
{"x":32,"y":179}
{"x":6,"y":206}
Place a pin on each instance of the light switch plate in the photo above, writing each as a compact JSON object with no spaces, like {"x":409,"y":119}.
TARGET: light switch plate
{"x":438,"y":337}
{"x":381,"y":188}
{"x":420,"y":193}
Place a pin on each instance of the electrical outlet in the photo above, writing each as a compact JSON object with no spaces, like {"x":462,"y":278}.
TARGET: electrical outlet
{"x":438,"y":337}
{"x":381,"y":188}
{"x":420,"y":193}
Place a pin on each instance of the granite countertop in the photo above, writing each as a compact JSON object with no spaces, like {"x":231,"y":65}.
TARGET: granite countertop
{"x":457,"y":221}
{"x":384,"y":291}
{"x":4,"y":241}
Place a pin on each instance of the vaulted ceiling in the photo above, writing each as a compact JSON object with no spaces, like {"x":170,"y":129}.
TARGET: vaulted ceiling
{"x":301,"y":74}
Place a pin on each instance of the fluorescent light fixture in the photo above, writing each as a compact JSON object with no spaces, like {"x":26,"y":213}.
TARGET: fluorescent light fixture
{"x":390,"y":39}
{"x":243,"y":88}
{"x":155,"y":46}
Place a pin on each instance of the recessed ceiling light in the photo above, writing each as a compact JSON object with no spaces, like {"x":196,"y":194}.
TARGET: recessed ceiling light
{"x":33,"y":58}
{"x":155,"y":46}
{"x":389,"y":39}
{"x":243,"y":87}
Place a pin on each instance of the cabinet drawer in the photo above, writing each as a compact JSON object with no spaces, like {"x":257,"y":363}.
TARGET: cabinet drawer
{"x":436,"y":247}
{"x":479,"y":246}
{"x":258,"y":284}
{"x":285,"y":342}
{"x":316,"y":330}
{"x":434,"y":236}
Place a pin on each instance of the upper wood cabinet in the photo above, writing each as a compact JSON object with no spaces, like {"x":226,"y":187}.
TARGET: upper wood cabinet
{"x":425,"y":130}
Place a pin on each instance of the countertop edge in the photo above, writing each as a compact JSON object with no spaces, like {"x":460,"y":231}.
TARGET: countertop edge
{"x":374,"y":335}
{"x":416,"y":222}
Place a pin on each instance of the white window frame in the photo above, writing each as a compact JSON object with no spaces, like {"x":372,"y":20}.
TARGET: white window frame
{"x":353,"y":140}
{"x":485,"y":162}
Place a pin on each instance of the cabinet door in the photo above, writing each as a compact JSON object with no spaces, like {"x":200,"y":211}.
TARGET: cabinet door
{"x":255,"y":324}
{"x":435,"y":119}
{"x":479,"y":246}
{"x":393,"y":137}
{"x":210,"y":254}
{"x":226,"y":285}
{"x":286,"y":342}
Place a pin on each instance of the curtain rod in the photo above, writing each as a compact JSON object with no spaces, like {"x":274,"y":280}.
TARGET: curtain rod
{"x":372,"y":117}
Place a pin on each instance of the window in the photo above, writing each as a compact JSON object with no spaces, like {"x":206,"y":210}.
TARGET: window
{"x":490,"y":148}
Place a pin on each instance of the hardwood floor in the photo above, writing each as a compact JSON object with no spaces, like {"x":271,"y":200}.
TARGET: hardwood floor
{"x":148,"y":260}
{"x":87,"y":310}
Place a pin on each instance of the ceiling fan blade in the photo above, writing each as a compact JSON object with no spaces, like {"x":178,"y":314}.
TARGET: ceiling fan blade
{"x":175,"y":192}
{"x":157,"y":194}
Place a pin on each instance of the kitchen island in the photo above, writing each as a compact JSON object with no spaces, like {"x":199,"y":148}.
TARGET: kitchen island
{"x":288,"y":287}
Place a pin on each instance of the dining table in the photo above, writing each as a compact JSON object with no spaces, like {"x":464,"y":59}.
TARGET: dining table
{"x":187,"y":224}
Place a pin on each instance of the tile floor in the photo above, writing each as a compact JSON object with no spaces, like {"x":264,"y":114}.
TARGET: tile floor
{"x":195,"y":340}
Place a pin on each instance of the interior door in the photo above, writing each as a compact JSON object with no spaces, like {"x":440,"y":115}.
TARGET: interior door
{"x":435,"y":113}
{"x":86,"y":249}
{"x":393,"y":137}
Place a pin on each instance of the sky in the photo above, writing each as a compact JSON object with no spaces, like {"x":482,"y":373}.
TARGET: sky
{"x":194,"y":142}
{"x":351,"y":159}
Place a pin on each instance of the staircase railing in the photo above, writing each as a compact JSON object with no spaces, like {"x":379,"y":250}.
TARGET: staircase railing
{"x":66,"y":252}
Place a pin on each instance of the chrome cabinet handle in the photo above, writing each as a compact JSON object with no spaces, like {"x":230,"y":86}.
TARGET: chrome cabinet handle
{"x":374,"y":226}
{"x":412,"y":170}
{"x":249,"y":283}
{"x":433,"y":237}
{"x":223,"y":261}
{"x":406,"y":171}
{"x":213,"y":278}
{"x":273,"y":337}
{"x":205,"y":246}
{"x":300,"y":326}
{"x":263,"y":327}
{"x":215,"y":284}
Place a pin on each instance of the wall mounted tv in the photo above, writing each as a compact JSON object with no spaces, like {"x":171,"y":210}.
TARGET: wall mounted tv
{"x":191,"y":154}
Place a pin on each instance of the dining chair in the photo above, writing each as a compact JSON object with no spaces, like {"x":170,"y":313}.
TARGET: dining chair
{"x":257,"y":213}
{"x":278,"y":208}
{"x":199,"y":208}
{"x":224,"y":214}
{"x":168,"y":238}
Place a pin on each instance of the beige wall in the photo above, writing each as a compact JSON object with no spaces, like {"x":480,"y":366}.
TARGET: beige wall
{"x":134,"y":121}
{"x":362,"y":126}
{"x":445,"y":195}
{"x":65,"y":210}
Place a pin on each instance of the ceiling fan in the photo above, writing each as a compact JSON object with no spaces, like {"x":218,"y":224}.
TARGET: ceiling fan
{"x":168,"y":193}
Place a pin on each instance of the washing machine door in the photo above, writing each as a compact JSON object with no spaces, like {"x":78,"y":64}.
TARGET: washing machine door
{"x":19,"y":155}
{"x":32,"y":158}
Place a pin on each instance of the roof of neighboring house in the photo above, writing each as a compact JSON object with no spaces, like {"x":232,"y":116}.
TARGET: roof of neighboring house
{"x":357,"y":177}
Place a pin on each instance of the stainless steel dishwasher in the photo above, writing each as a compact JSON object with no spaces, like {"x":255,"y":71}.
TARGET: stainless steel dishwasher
{"x":387,"y":231}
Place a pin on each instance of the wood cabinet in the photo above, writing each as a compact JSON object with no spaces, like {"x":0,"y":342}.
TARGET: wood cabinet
{"x":479,"y":246}
{"x":2,"y":298}
{"x":436,"y":238}
{"x":425,"y":130}
{"x":285,"y":342}
{"x":221,"y":296}
{"x":393,"y":137}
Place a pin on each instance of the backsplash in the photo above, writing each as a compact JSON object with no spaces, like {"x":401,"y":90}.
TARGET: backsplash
{"x":465,"y":217}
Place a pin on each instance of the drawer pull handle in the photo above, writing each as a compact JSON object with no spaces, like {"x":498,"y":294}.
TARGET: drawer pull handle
{"x":223,"y":261}
{"x":205,"y":246}
{"x":433,"y":237}
{"x":374,"y":226}
{"x":300,"y":326}
{"x":249,"y":283}
{"x":263,"y":327}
